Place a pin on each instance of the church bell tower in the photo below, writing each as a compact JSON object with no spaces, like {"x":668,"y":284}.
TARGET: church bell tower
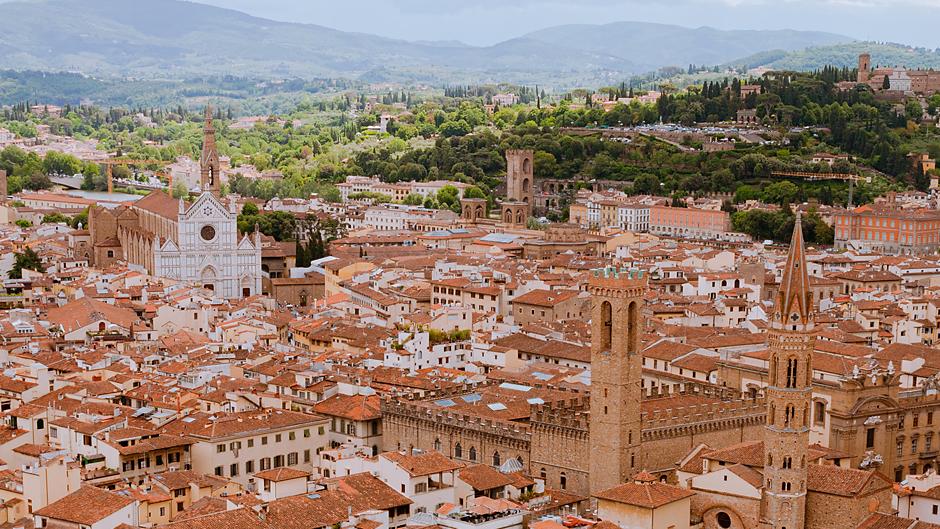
{"x":789,"y":394}
{"x":616,"y":373}
{"x":209,"y":173}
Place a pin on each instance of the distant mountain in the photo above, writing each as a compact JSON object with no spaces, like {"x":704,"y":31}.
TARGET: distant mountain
{"x":173,"y":39}
{"x":843,"y":55}
{"x":652,"y":46}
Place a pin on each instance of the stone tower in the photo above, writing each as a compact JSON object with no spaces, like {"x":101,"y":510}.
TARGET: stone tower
{"x":789,"y":394}
{"x":616,"y":369}
{"x":210,"y":178}
{"x":519,"y":176}
{"x":864,"y":68}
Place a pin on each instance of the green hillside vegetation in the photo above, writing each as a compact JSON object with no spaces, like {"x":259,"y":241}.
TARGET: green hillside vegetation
{"x":843,"y":55}
{"x":453,"y":137}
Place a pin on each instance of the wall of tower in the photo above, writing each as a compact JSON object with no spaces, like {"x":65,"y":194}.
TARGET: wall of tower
{"x":786,"y":438}
{"x":520,"y":176}
{"x":864,"y":67}
{"x":616,"y":375}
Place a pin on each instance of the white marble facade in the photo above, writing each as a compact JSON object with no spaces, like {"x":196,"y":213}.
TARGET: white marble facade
{"x":207,"y":251}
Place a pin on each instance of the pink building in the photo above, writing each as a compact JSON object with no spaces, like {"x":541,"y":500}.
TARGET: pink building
{"x":689,"y":223}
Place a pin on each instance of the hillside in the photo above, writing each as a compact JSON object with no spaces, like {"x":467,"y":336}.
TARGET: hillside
{"x":676,"y":45}
{"x":173,"y":39}
{"x":843,"y":55}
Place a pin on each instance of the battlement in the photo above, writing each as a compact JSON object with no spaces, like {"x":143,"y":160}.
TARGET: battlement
{"x":693,"y":388}
{"x":574,"y":413}
{"x":674,"y":422}
{"x":611,"y":280}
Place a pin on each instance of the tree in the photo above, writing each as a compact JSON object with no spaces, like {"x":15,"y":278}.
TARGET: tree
{"x":449,"y":129}
{"x":27,"y":260}
{"x":330,"y":193}
{"x":79,"y":220}
{"x":54,"y":218}
{"x":180,"y":190}
{"x":886,"y":83}
{"x":57,"y":163}
{"x":23,"y":223}
{"x":448,"y":197}
{"x":250,"y":208}
{"x":646,"y":184}
{"x":474,"y":192}
{"x":783,"y":193}
{"x":413,"y":199}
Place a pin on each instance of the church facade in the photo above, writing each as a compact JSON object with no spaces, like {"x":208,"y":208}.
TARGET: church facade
{"x":196,"y":243}
{"x":207,"y":250}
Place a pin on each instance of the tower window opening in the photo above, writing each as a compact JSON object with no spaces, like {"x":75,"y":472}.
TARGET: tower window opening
{"x":791,"y":372}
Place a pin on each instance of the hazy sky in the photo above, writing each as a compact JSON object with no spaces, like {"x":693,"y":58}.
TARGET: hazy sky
{"x":485,"y":22}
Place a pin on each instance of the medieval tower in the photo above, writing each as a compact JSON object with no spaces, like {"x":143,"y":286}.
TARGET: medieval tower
{"x":519,"y":176}
{"x":789,"y":394}
{"x":616,"y":372}
{"x":520,"y":180}
{"x":864,"y":68}
{"x":210,"y":178}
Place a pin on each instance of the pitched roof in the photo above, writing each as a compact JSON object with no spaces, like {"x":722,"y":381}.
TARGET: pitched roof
{"x":422,"y":464}
{"x":85,"y":311}
{"x":159,"y":203}
{"x":86,"y":506}
{"x":830,"y":479}
{"x":484,"y":477}
{"x":648,"y":495}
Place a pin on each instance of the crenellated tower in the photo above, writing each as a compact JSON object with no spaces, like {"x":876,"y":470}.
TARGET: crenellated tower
{"x":209,"y":173}
{"x":616,"y":374}
{"x":789,"y":394}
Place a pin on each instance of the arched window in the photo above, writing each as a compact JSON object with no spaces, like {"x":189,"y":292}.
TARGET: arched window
{"x":40,"y":424}
{"x":791,"y":372}
{"x":563,"y":479}
{"x":458,"y":451}
{"x":607,"y":324}
{"x":788,"y":415}
{"x":473,"y":453}
{"x":437,"y":445}
{"x":788,"y":462}
{"x":496,"y":461}
{"x":770,"y":460}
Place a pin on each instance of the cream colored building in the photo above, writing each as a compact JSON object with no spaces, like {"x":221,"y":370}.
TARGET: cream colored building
{"x":645,"y":504}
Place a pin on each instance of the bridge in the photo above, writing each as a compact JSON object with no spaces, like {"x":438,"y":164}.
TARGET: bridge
{"x":821,"y":176}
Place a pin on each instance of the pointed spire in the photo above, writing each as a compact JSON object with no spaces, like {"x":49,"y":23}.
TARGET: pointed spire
{"x":794,"y":300}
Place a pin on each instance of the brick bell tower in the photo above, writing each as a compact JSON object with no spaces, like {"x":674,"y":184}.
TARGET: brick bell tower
{"x":209,"y":173}
{"x":789,"y":395}
{"x":616,"y":373}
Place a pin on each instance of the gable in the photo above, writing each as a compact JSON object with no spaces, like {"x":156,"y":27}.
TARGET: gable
{"x":207,"y":207}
